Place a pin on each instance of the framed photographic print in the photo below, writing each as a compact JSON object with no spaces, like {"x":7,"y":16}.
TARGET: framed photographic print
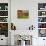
{"x":42,"y":32}
{"x":41,"y":25}
{"x":3,"y":13}
{"x":41,"y":6}
{"x":22,"y":14}
{"x":4,"y":29}
{"x":41,"y":19}
{"x":3,"y":6}
{"x":3,"y":19}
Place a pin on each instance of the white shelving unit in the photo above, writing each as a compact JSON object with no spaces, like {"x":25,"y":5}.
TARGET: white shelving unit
{"x":4,"y":23}
{"x":42,"y":18}
{"x":4,"y":12}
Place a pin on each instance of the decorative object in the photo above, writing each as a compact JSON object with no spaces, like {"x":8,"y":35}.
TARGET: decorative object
{"x":22,"y":43}
{"x":22,"y":14}
{"x":43,"y":13}
{"x":31,"y":27}
{"x":13,"y":27}
{"x":23,"y":40}
{"x":6,"y":7}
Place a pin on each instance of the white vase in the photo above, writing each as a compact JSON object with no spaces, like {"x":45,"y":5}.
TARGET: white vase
{"x":22,"y":43}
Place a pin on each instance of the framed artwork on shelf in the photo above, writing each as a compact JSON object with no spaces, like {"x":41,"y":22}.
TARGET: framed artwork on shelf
{"x":4,"y":29}
{"x":41,"y":19}
{"x":42,"y":33}
{"x":41,"y":6}
{"x":3,"y":6}
{"x":3,"y":19}
{"x":41,"y":25}
{"x":41,"y":13}
{"x":3,"y":13}
{"x":22,"y":14}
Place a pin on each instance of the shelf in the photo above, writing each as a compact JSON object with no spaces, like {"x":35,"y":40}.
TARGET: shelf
{"x":3,"y":22}
{"x":41,"y":28}
{"x":41,"y":10}
{"x":41,"y":22}
{"x":3,"y":10}
{"x":3,"y":16}
{"x":42,"y":16}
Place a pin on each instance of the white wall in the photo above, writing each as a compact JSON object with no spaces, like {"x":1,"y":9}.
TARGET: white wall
{"x":23,"y":24}
{"x":32,"y":6}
